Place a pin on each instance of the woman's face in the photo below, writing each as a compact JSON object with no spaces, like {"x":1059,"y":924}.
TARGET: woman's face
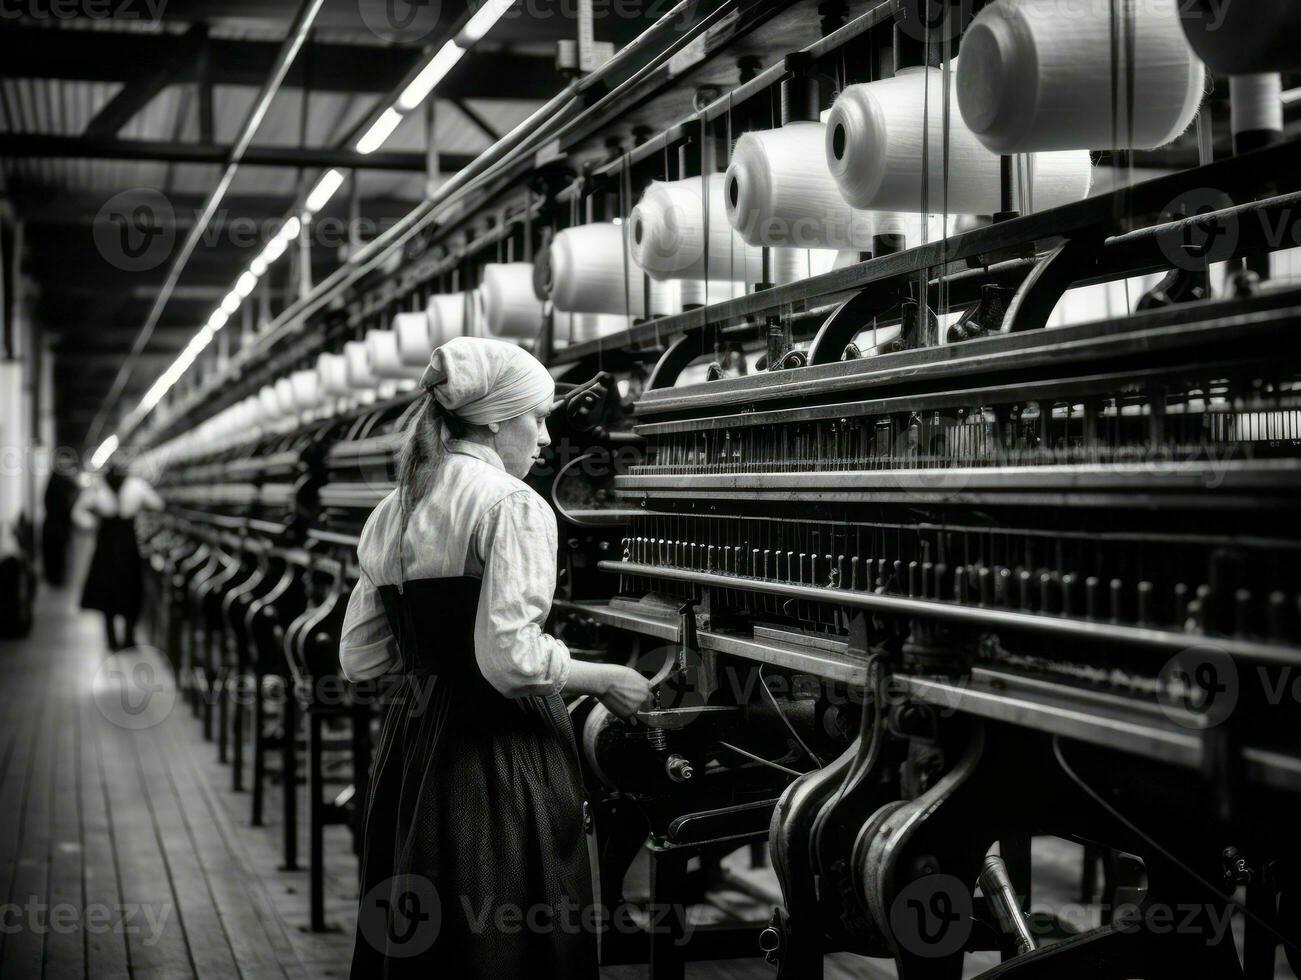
{"x":520,"y":441}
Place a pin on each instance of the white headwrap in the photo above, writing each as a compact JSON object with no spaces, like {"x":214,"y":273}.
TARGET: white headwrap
{"x":482,"y":380}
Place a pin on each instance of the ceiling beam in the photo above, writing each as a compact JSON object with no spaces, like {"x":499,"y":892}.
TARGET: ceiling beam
{"x":127,"y":56}
{"x":177,"y":64}
{"x":14,"y":145}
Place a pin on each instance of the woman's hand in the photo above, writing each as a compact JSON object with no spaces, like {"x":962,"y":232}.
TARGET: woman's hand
{"x":626,"y":692}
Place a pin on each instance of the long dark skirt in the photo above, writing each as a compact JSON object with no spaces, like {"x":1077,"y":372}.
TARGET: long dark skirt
{"x":114,"y":582}
{"x":475,"y":862}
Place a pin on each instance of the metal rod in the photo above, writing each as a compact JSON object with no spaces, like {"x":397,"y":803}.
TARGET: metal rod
{"x":1163,"y":640}
{"x":293,"y":43}
{"x":15,"y":145}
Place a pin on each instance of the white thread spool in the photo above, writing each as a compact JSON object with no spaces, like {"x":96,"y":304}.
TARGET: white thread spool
{"x":874,"y":151}
{"x":511,"y":311}
{"x":1036,"y":75}
{"x":266,"y":397}
{"x":450,"y":315}
{"x":284,"y":390}
{"x":412,"y":333}
{"x":703,"y":292}
{"x":332,"y":369}
{"x":386,"y":360}
{"x":1244,"y":38}
{"x":587,"y":271}
{"x":593,"y":326}
{"x":361,"y":377}
{"x":1256,"y":106}
{"x":677,"y":234}
{"x":306,"y":388}
{"x":780,"y":192}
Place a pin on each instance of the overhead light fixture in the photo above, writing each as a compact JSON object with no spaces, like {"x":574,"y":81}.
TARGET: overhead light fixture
{"x":218,"y":319}
{"x":245,"y":284}
{"x":259,"y":265}
{"x":330,"y":182}
{"x":482,"y":22}
{"x":439,"y":65}
{"x":380,"y":130}
{"x":231,"y":303}
{"x":106,"y":449}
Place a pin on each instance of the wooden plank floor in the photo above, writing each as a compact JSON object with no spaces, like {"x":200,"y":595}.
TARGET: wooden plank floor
{"x":124,"y":852}
{"x":127,"y":854}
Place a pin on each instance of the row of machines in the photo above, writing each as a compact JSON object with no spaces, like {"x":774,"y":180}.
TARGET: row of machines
{"x":930,"y":578}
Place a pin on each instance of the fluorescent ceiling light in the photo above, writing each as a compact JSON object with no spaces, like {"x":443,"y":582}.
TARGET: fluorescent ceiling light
{"x":231,"y":303}
{"x":218,"y":319}
{"x":245,"y":284}
{"x":439,"y":65}
{"x":380,"y":130}
{"x":106,"y":449}
{"x":323,"y":191}
{"x":290,"y":229}
{"x":482,"y":21}
{"x":259,"y":265}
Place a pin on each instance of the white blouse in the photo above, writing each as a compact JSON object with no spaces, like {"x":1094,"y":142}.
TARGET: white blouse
{"x":480,"y":521}
{"x":99,"y":501}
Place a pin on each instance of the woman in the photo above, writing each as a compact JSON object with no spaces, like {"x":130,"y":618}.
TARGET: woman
{"x":476,"y":800}
{"x":114,"y":583}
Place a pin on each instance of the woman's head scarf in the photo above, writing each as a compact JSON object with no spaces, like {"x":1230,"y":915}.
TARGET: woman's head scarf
{"x":480,"y":380}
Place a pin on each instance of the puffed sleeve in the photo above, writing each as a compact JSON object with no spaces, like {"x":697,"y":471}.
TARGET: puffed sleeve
{"x":367,"y":647}
{"x":517,"y":541}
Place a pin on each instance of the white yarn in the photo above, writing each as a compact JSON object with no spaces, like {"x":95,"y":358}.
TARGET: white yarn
{"x":332,"y":369}
{"x":270,"y":403}
{"x":510,"y":308}
{"x":385,"y":359}
{"x":412,"y":333}
{"x":284,"y":390}
{"x":701,"y":292}
{"x":874,"y":151}
{"x":1036,"y":75}
{"x":1256,"y":103}
{"x":306,"y":388}
{"x":779,"y":191}
{"x":361,"y":376}
{"x":592,"y":326}
{"x":450,"y":315}
{"x":587,"y":272}
{"x":679,"y":229}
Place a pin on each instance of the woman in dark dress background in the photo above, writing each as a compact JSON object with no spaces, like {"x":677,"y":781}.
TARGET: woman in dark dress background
{"x":114,"y":582}
{"x":475,"y":861}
